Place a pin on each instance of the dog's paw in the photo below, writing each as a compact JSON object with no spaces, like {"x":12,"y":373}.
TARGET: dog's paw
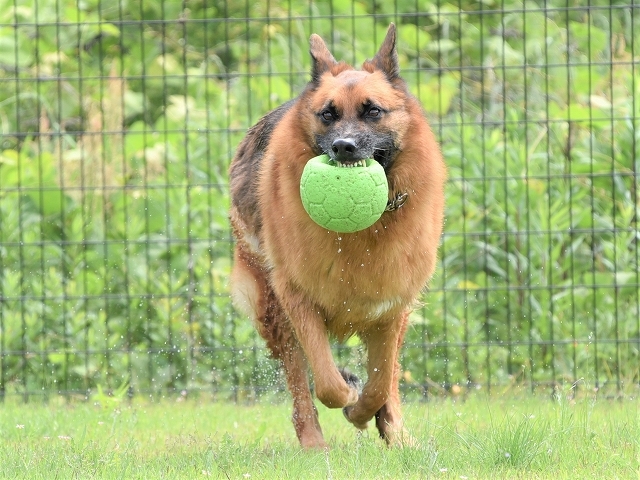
{"x":354,"y":383}
{"x":346,"y":411}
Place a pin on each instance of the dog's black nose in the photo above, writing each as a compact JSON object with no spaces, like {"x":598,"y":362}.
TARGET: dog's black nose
{"x":344,"y":149}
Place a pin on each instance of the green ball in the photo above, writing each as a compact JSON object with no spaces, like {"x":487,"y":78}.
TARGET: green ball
{"x":343,"y":199}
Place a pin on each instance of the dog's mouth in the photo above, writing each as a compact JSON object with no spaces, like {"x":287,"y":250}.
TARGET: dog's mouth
{"x":344,"y":153}
{"x":357,"y":163}
{"x":383,"y":157}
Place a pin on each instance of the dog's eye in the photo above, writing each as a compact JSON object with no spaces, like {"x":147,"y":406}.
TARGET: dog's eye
{"x":374,"y":112}
{"x":327,"y":115}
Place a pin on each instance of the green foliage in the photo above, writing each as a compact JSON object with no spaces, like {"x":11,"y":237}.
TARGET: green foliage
{"x":119,"y":120}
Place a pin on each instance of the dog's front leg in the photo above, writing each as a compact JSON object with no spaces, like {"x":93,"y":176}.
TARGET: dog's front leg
{"x":382,"y":347}
{"x":310,"y":329}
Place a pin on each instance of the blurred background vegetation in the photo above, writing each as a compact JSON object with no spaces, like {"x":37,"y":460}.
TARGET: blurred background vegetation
{"x":118,"y":123}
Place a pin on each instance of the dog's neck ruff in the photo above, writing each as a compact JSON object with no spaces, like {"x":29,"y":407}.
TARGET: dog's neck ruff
{"x":396,"y":202}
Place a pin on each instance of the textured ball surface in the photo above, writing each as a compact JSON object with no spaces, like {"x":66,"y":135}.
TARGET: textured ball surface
{"x":343,"y":199}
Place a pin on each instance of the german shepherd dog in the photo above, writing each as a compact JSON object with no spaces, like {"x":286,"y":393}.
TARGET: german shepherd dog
{"x":303,"y":284}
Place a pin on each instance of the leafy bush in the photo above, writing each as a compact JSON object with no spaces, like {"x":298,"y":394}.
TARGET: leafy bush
{"x":119,"y":122}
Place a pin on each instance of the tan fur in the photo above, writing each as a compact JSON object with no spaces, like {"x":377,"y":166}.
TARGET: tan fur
{"x":304,"y":283}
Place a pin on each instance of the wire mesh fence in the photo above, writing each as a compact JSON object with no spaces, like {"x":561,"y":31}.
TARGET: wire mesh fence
{"x":119,"y":120}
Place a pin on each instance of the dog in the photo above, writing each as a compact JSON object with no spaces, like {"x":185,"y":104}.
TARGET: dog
{"x":303,"y":284}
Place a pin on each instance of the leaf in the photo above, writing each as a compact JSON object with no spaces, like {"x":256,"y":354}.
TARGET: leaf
{"x":441,"y":46}
{"x":12,"y":54}
{"x":413,"y":39}
{"x":438,"y":93}
{"x":468,"y":285}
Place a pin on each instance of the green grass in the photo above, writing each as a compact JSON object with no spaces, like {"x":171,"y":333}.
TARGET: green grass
{"x":478,"y":438}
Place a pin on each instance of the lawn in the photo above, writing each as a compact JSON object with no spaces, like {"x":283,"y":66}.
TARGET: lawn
{"x":481,"y":437}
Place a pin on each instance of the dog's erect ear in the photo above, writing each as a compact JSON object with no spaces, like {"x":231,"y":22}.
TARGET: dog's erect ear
{"x":386,"y":59}
{"x":322,"y":58}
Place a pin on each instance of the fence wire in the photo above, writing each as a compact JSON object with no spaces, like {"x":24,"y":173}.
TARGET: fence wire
{"x":119,"y":120}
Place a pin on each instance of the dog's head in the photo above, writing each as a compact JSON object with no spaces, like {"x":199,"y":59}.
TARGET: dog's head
{"x":357,"y":114}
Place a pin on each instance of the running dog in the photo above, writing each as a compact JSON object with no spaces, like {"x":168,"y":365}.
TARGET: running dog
{"x":302,"y":284}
